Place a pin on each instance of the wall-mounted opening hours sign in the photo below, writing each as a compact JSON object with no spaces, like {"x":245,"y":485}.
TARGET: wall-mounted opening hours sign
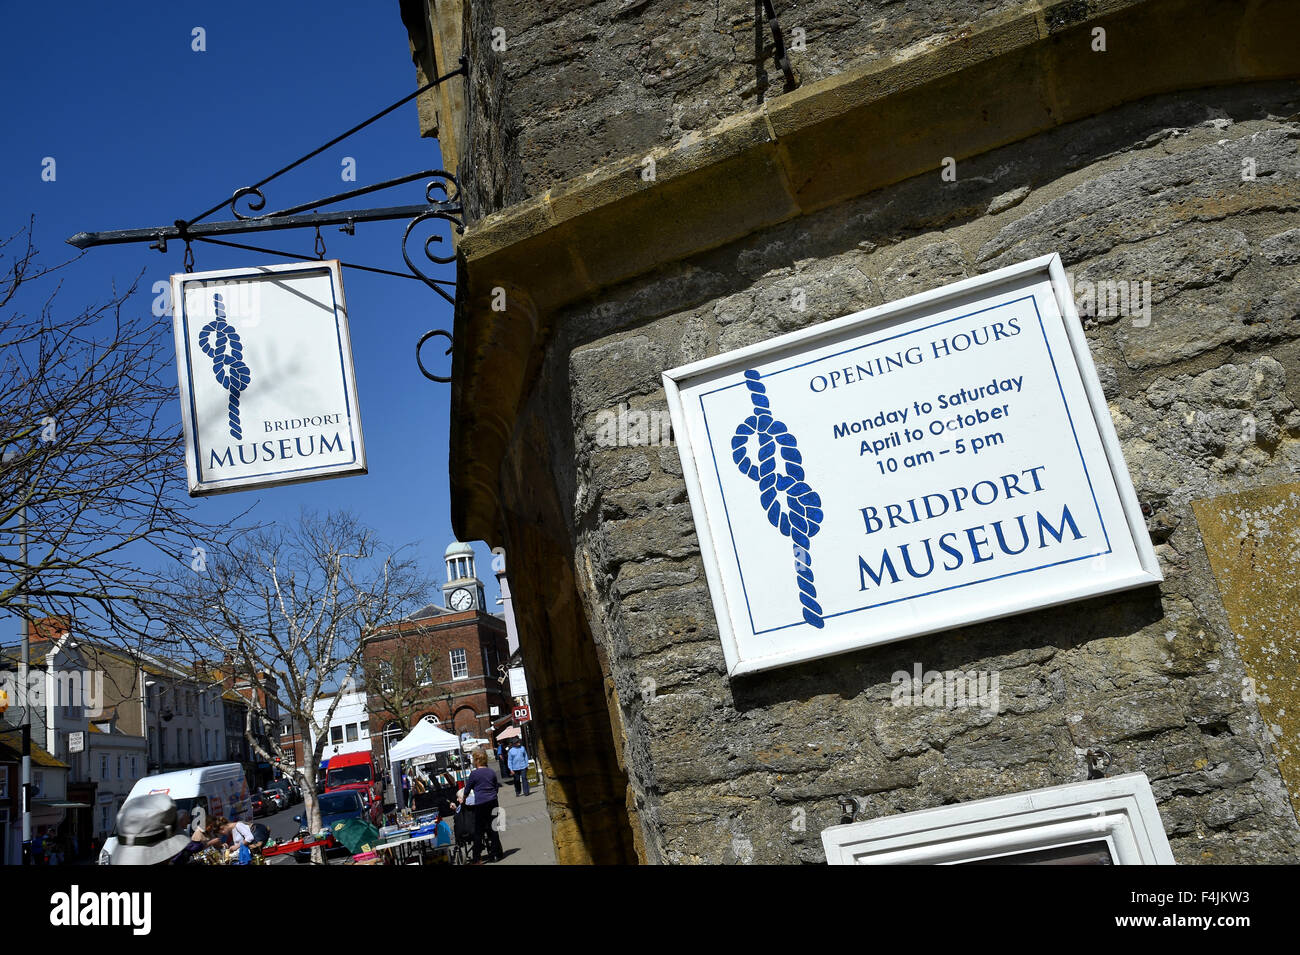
{"x":934,"y":462}
{"x":268,"y":393}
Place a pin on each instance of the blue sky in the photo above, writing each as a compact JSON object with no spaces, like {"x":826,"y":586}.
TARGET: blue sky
{"x":145,"y":130}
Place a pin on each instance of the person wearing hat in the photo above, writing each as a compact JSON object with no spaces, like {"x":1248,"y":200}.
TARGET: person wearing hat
{"x":148,"y":831}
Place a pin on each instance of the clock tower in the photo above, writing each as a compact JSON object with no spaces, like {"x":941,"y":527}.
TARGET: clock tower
{"x":463,"y":590}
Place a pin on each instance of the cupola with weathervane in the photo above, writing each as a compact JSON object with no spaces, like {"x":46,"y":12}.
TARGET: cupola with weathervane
{"x":463,"y":590}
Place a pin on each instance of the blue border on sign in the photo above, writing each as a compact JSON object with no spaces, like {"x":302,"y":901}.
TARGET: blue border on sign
{"x":189,"y":371}
{"x":1069,"y":417}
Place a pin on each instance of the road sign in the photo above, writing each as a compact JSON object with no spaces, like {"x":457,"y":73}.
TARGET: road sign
{"x":76,"y":742}
{"x":522,"y":714}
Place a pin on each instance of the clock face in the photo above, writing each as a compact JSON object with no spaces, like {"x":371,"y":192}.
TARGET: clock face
{"x":461,"y":599}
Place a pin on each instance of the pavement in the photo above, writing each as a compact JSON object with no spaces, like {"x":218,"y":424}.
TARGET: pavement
{"x":526,"y":836}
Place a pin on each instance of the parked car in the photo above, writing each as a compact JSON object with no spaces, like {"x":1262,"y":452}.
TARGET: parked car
{"x":279,"y":792}
{"x":262,"y":804}
{"x":336,"y":807}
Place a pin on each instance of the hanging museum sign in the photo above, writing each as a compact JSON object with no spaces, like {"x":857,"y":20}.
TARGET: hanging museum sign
{"x":268,"y":392}
{"x":934,"y":462}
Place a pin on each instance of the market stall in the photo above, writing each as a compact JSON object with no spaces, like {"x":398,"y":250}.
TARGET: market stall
{"x":424,"y":742}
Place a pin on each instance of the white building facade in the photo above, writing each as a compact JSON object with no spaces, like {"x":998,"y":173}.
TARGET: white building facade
{"x":348,"y":730}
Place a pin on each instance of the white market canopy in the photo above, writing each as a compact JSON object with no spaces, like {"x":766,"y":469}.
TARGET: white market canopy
{"x":425,"y":740}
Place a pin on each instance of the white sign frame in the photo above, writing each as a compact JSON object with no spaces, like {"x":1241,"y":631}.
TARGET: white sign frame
{"x":518,"y":682}
{"x":199,"y":485}
{"x":1120,"y":811}
{"x":697,"y":457}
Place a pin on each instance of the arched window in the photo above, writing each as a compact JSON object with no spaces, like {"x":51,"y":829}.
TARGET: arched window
{"x":466,"y":721}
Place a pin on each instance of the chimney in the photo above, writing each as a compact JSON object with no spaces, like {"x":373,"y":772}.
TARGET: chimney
{"x":47,"y":629}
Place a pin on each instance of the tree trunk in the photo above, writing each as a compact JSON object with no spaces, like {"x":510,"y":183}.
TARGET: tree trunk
{"x":311,"y":807}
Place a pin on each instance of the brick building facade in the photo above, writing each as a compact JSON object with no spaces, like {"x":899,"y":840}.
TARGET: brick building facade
{"x":442,"y":663}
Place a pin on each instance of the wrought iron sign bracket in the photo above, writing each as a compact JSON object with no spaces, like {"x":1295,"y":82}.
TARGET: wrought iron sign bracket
{"x":442,"y":202}
{"x":766,"y":12}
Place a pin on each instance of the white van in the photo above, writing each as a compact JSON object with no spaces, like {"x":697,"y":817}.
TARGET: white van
{"x":215,"y":790}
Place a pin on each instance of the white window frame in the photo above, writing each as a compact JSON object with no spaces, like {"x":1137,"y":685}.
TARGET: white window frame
{"x":1120,"y":811}
{"x":464,"y":664}
{"x":386,"y":676}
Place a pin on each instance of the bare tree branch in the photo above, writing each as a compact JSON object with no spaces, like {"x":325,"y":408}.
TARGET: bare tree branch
{"x":97,"y":478}
{"x":285,"y":609}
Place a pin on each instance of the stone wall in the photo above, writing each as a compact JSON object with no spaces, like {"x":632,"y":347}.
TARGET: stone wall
{"x":1203,"y":399}
{"x":590,"y":81}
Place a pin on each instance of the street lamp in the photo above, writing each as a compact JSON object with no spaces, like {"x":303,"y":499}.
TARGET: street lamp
{"x":11,"y":455}
{"x":145,"y":721}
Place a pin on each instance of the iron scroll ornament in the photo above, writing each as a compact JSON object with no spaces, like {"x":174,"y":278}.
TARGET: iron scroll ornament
{"x":801,"y":518}
{"x":458,"y":222}
{"x":447,"y":208}
{"x":420,"y":344}
{"x":309,"y":215}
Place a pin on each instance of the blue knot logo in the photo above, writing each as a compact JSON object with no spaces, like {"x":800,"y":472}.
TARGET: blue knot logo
{"x":801,"y":518}
{"x":221,"y":343}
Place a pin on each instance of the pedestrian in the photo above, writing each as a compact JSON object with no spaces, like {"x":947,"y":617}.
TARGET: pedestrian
{"x":518,"y":760}
{"x":406,"y":790}
{"x":423,"y":792}
{"x":148,"y":832}
{"x":258,"y":841}
{"x":501,"y":761}
{"x":199,"y":839}
{"x":55,"y":844}
{"x":480,"y":794}
{"x":239,"y":833}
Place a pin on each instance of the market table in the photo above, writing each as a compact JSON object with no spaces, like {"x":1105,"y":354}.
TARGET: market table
{"x":404,"y":843}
